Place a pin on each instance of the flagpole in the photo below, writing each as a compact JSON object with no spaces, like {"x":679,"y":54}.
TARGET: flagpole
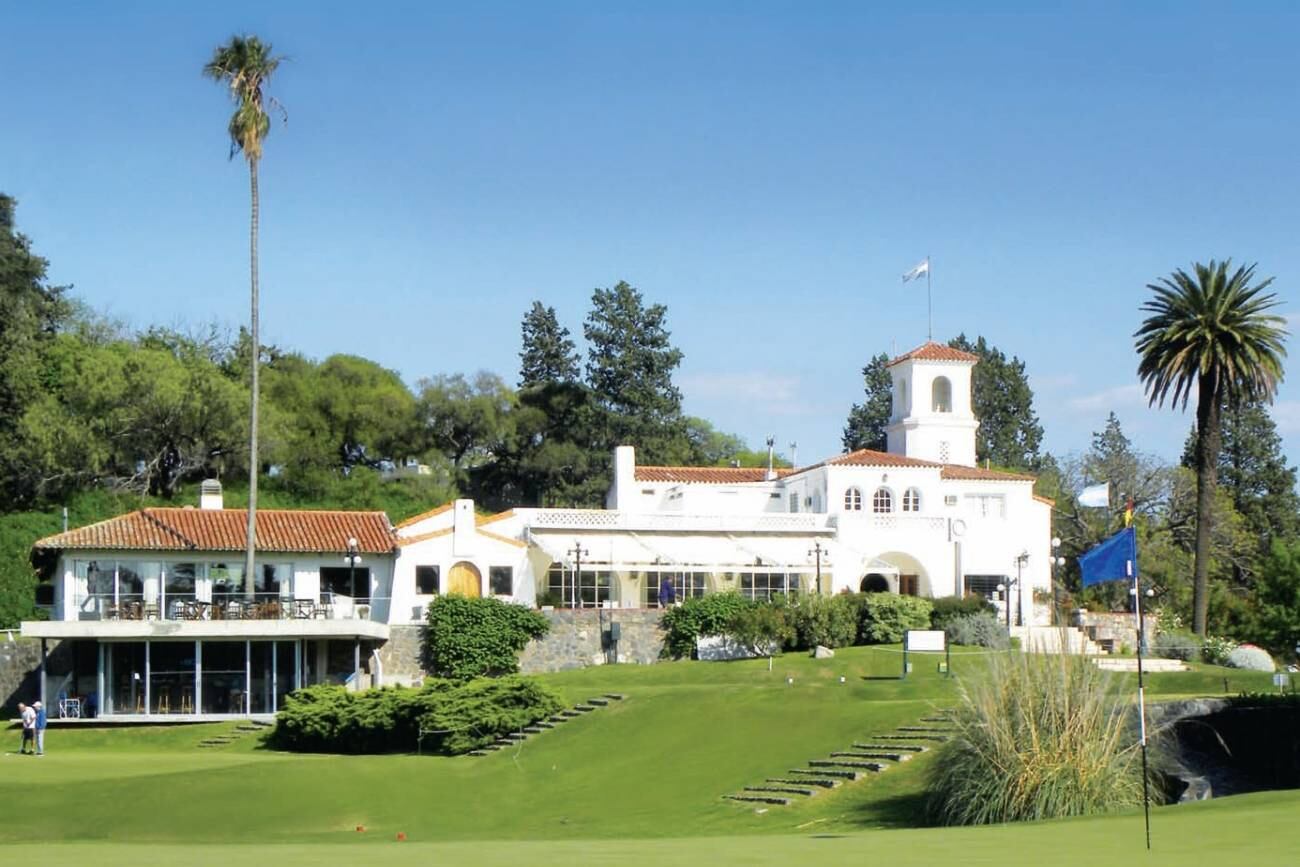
{"x":1142,"y":707}
{"x":929,"y":304}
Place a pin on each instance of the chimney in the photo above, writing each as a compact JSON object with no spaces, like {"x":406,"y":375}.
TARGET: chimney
{"x":464,"y":534}
{"x":622,"y":494}
{"x":210,"y":495}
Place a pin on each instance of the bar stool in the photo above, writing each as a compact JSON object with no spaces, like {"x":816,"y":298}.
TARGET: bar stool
{"x":187,"y":700}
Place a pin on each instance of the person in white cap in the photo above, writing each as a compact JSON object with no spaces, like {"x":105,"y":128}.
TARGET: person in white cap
{"x":28,"y":717}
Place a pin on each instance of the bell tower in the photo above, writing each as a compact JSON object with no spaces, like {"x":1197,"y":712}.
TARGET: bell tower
{"x":932,"y":418}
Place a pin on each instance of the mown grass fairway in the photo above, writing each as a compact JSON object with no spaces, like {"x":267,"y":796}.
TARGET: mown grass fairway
{"x":641,"y":780}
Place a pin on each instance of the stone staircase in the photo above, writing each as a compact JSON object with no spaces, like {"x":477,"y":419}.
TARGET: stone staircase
{"x":240,"y":731}
{"x":553,"y":721}
{"x":861,"y":759}
{"x":1055,"y":639}
{"x":1149,"y":664}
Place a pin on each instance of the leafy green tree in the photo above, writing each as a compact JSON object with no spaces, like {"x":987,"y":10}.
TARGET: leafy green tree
{"x":630,"y":364}
{"x":366,"y":410}
{"x":471,"y":423}
{"x":1009,"y":434}
{"x":548,"y":353}
{"x":1275,"y":615}
{"x":1213,"y":332}
{"x":245,"y":64}
{"x":31,"y":310}
{"x":1254,"y":471}
{"x":865,"y":428}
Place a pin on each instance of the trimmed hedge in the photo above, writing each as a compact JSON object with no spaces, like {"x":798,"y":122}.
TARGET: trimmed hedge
{"x":887,"y":616}
{"x":467,"y":637}
{"x":700,"y":616}
{"x":831,"y":621}
{"x":331,"y":719}
{"x":949,"y":608}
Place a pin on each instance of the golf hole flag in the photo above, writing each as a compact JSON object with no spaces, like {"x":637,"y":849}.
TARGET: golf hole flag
{"x":1112,"y":560}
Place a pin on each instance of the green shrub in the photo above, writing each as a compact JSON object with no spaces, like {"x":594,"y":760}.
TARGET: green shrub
{"x":1041,"y":736}
{"x":761,"y":629}
{"x":1177,"y":644}
{"x":887,"y":616}
{"x":1216,"y":648}
{"x":948,"y":608}
{"x":697,"y":617}
{"x":461,"y":716}
{"x":831,"y":621}
{"x":467,"y":638}
{"x":981,"y":629}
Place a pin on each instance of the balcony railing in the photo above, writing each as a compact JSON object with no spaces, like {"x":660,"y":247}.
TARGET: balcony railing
{"x":261,"y":606}
{"x":609,"y":519}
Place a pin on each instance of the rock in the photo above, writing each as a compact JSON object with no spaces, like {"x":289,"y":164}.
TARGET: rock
{"x":820,"y":652}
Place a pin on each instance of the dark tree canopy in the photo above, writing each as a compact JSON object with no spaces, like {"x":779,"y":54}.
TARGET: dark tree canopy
{"x":548,"y":354}
{"x":1009,"y":434}
{"x":865,"y":428}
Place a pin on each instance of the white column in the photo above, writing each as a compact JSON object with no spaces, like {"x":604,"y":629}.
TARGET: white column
{"x":148,"y":677}
{"x":198,"y":676}
{"x":248,"y":677}
{"x":273,"y":704}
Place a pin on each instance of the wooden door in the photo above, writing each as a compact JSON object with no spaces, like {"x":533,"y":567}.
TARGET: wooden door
{"x":465,"y":579}
{"x":908,"y":585}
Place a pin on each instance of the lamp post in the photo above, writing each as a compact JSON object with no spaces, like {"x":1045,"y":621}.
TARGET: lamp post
{"x":1021,"y":559}
{"x":1054,"y":560}
{"x":352,"y":558}
{"x":578,"y":553}
{"x":817,"y":551}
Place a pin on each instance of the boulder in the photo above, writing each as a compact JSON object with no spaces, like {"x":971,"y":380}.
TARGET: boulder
{"x":820,"y":652}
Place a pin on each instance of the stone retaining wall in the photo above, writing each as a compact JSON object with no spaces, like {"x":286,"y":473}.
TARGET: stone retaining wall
{"x":579,"y":638}
{"x":20,"y":667}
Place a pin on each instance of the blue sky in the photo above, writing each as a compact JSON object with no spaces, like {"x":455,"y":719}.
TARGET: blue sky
{"x":767,"y":170}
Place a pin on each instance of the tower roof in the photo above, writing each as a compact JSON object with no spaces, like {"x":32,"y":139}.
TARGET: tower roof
{"x":931,"y":351}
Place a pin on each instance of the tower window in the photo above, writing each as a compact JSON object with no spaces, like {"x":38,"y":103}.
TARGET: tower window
{"x":853,"y":500}
{"x":941,"y":395}
{"x":912,"y":500}
{"x":882,"y":502}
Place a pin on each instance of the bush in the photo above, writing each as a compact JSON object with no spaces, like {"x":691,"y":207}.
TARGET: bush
{"x":761,"y":629}
{"x":981,"y":629}
{"x":1177,"y":644}
{"x":831,"y":621}
{"x":1041,"y":736}
{"x":331,"y":719}
{"x":467,"y":638}
{"x":697,"y":617}
{"x":887,"y":616}
{"x":948,"y":608}
{"x":1216,"y":648}
{"x":1251,"y":658}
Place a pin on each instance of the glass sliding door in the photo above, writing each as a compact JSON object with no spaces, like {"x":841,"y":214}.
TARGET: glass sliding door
{"x":224,"y":682}
{"x":171,"y":677}
{"x":124,"y":677}
{"x":179,"y":588}
{"x":284,"y":670}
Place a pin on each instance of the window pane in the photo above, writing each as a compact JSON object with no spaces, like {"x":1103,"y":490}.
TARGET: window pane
{"x":426,"y":580}
{"x":502,"y":580}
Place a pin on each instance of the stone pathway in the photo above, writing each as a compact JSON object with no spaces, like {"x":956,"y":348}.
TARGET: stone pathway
{"x":861,"y":759}
{"x":578,"y":710}
{"x":238,"y":733}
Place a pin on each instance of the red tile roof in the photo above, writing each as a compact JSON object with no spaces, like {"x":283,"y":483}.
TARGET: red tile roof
{"x":189,"y":529}
{"x":1048,"y":500}
{"x":953,"y":472}
{"x":873,"y":458}
{"x":932,"y":351}
{"x":705,"y":475}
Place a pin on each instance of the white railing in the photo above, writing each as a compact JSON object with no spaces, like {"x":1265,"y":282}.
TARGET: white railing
{"x":263,"y":606}
{"x":609,"y":519}
{"x":913,"y":523}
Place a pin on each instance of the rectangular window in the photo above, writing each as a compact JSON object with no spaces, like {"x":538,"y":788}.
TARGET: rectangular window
{"x":762,"y":586}
{"x":794,"y":502}
{"x":426,"y":580}
{"x":686,"y":585}
{"x":950,"y":500}
{"x":502,"y":580}
{"x":987,"y":505}
{"x":590,"y":591}
{"x":984,"y":585}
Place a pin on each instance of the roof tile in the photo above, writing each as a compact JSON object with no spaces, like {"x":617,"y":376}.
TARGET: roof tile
{"x":931,"y":351}
{"x":706,"y":475}
{"x":954,"y":472}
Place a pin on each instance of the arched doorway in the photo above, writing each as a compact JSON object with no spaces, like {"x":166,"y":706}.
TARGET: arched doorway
{"x":874,"y":582}
{"x":908,"y":571}
{"x":465,"y":579}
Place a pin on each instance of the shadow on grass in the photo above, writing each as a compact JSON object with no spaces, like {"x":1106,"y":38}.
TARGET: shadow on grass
{"x":899,"y":811}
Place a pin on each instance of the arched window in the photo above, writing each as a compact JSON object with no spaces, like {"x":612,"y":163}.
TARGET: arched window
{"x":912,"y":500}
{"x":941,"y":395}
{"x":882,"y":502}
{"x":853,"y":500}
{"x":901,"y":410}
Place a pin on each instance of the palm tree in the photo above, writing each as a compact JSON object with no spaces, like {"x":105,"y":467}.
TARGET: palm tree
{"x":244,"y":64}
{"x":1213,"y":331}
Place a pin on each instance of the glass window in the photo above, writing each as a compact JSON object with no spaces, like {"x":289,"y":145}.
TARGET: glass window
{"x":501,"y":580}
{"x":273,"y":579}
{"x":912,"y":500}
{"x":426,"y":580}
{"x":224,"y":686}
{"x":171,"y":670}
{"x":882,"y":502}
{"x":984,"y":585}
{"x":227,"y":580}
{"x":987,"y":505}
{"x":794,"y":502}
{"x":685,"y":585}
{"x":853,"y":500}
{"x":762,"y":586}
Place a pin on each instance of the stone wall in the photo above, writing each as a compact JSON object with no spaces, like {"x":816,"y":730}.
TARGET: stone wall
{"x":1113,"y":631}
{"x":20,"y":666}
{"x":579,"y":638}
{"x":401,"y":656}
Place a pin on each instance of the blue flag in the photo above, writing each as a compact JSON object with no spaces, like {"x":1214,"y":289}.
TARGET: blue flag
{"x":1110,"y":561}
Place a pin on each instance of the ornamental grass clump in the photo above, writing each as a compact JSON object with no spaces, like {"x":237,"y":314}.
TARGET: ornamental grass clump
{"x":1040,"y":736}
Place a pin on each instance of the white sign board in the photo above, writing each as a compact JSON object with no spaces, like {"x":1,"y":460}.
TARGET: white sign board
{"x":925,"y":640}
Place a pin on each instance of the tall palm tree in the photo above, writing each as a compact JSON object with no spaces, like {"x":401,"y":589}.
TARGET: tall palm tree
{"x":1213,"y":331}
{"x":244,"y":65}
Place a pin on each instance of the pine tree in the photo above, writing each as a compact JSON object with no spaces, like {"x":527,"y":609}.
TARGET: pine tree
{"x":630,"y":364}
{"x":865,"y":428}
{"x":548,"y":354}
{"x":1009,"y":433}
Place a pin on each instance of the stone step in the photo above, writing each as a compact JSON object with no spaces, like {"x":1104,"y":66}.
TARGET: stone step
{"x":558,"y":718}
{"x":513,"y":737}
{"x":585,"y":708}
{"x":910,"y":748}
{"x":570,"y":714}
{"x":477,"y":753}
{"x":936,"y":719}
{"x":851,"y":776}
{"x":760,"y":799}
{"x":934,"y":730}
{"x":783,"y":790}
{"x":544,"y":724}
{"x":847,"y":763}
{"x":810,"y":781}
{"x":598,"y":702}
{"x":533,"y":730}
{"x":864,"y":754}
{"x":616,"y":696}
{"x":911,"y":737}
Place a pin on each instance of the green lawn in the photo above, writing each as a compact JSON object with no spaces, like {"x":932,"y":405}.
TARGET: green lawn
{"x":640,"y":780}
